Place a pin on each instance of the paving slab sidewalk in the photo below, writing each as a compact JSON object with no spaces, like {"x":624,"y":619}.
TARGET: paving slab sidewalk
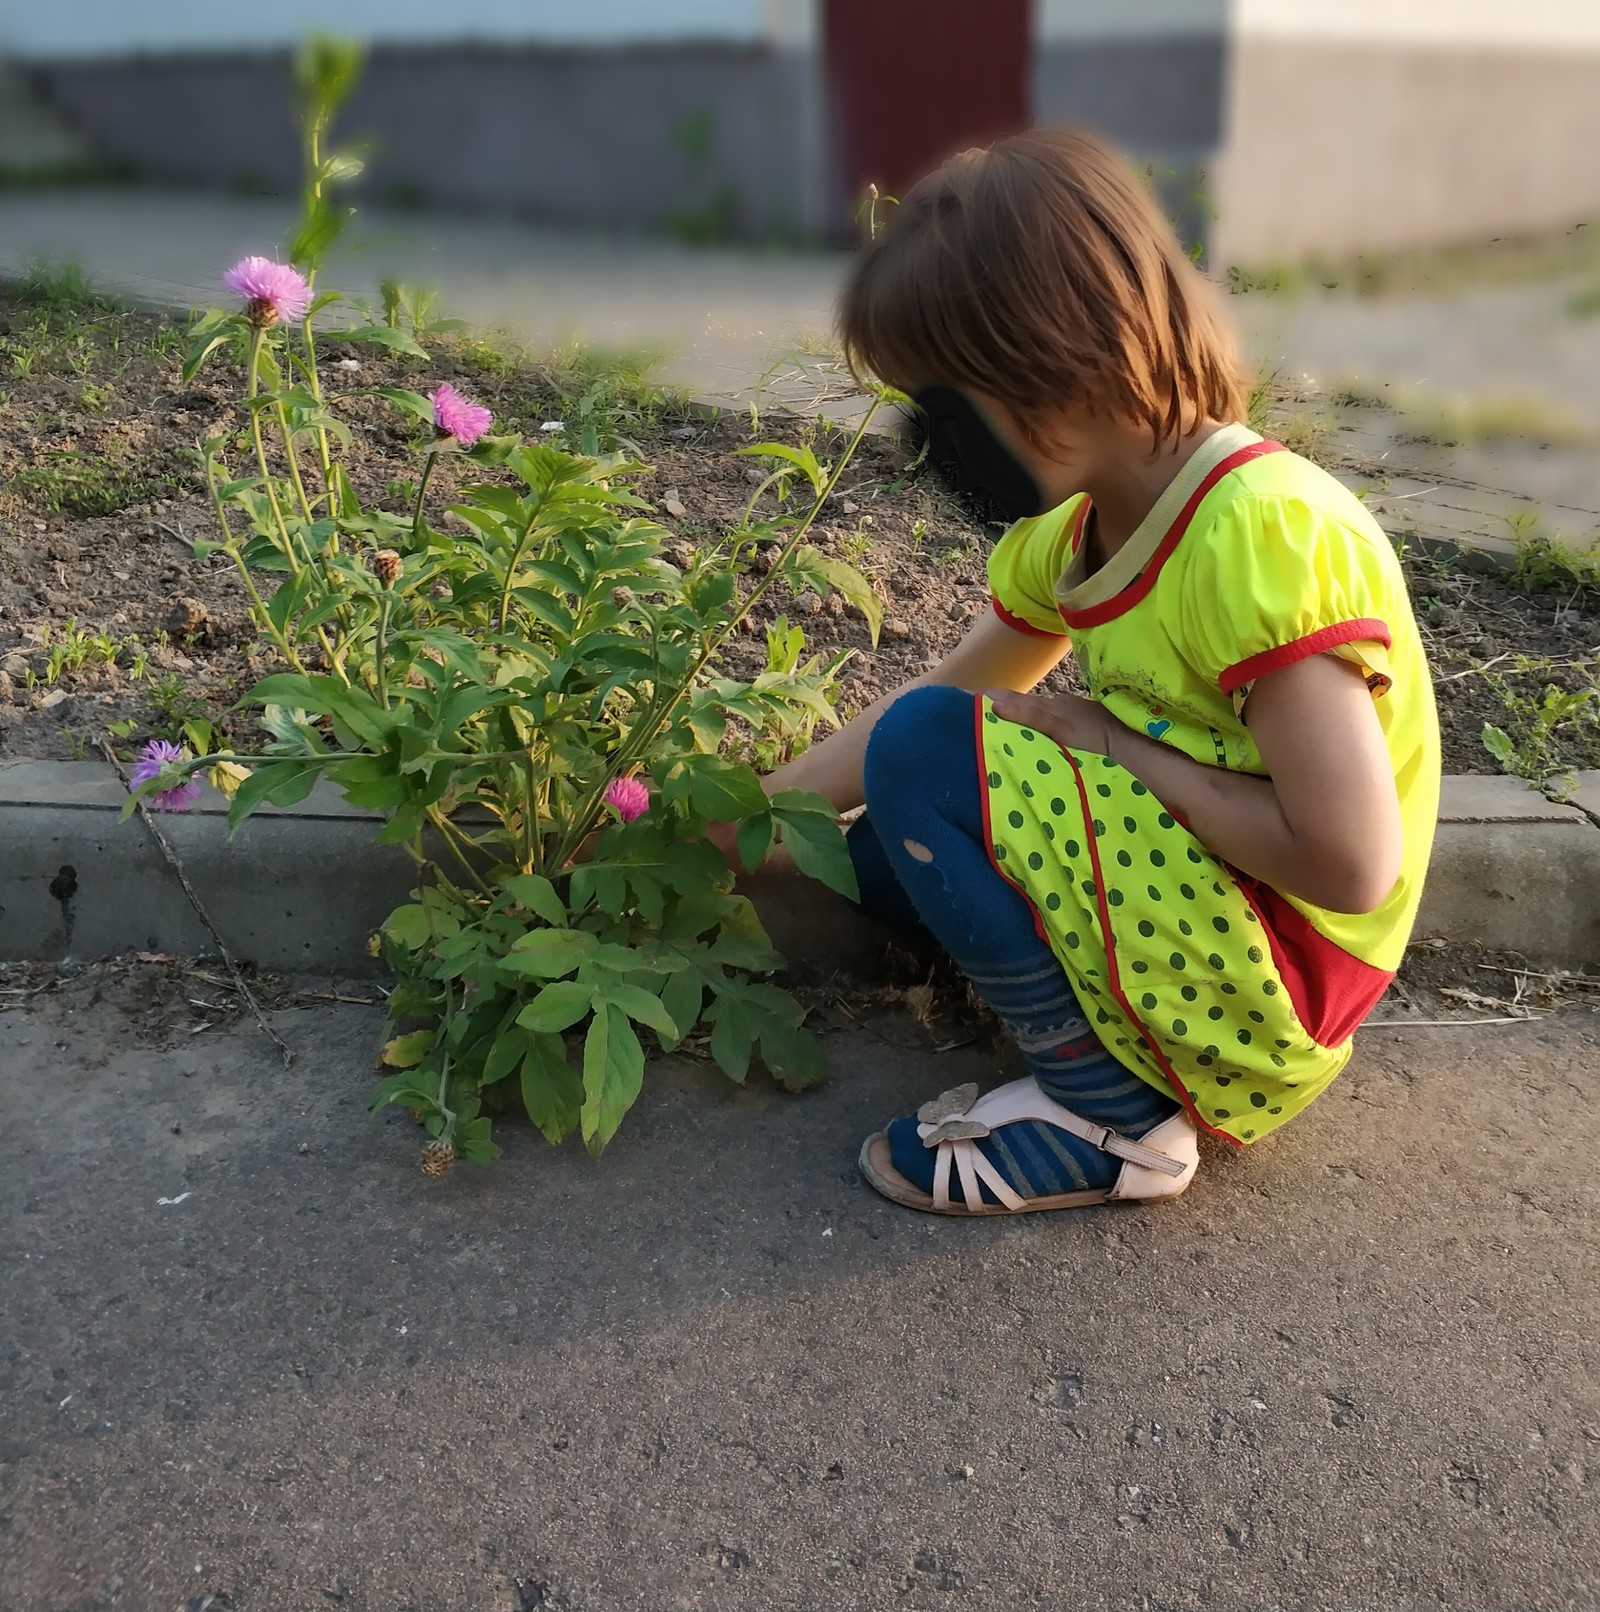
{"x":251,"y":1354}
{"x":751,"y":326}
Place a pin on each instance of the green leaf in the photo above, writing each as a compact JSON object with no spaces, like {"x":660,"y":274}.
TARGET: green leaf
{"x":640,"y":1005}
{"x":723,"y":791}
{"x":354,"y":707}
{"x":734,"y":1029}
{"x":754,"y":840}
{"x":613,"y":1075}
{"x":283,"y":783}
{"x":413,"y":403}
{"x":682,"y":996}
{"x":811,"y":836}
{"x":509,"y":1049}
{"x":206,"y":338}
{"x":552,"y":1092}
{"x":407,"y":1051}
{"x":811,"y":568}
{"x":1499,"y":745}
{"x":802,"y":459}
{"x":557,"y":1006}
{"x":794,"y":1055}
{"x":548,"y":953}
{"x":342,"y":166}
{"x":409,"y":927}
{"x":536,"y":893}
{"x":389,"y":336}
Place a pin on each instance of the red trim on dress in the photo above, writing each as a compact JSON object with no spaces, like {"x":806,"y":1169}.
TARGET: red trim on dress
{"x":1094,"y":615}
{"x":988,"y":833}
{"x":1017,"y":624}
{"x":1332,"y":991}
{"x":1362,"y":630}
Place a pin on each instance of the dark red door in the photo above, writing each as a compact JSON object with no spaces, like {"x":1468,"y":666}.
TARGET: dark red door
{"x":911,"y":81}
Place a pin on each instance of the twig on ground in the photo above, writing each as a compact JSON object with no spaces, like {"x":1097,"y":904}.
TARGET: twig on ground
{"x":335,"y":996}
{"x":1587,"y":982}
{"x":1433,"y":1024}
{"x":171,"y":857}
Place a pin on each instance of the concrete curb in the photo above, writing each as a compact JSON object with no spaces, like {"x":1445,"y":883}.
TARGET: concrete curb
{"x":302,"y":889}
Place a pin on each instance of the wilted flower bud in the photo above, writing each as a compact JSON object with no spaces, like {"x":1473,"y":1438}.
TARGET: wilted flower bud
{"x":437,"y":1157}
{"x":226,"y":776}
{"x":622,"y":597}
{"x":386,"y":567}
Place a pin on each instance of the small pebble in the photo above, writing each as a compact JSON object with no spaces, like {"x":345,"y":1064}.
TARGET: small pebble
{"x":673,"y":505}
{"x":808,"y":604}
{"x":897,"y":627}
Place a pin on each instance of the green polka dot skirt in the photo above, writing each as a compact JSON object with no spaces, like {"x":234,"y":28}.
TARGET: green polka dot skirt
{"x":1154,"y":930}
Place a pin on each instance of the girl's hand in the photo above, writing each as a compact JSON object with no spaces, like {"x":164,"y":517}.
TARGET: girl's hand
{"x":1074,"y":723}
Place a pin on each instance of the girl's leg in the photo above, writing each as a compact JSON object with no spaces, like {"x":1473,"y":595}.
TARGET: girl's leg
{"x":883,"y":897}
{"x":923,"y":786}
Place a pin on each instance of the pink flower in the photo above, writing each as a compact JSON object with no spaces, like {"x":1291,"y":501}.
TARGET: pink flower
{"x":272,"y":291}
{"x":628,"y":798}
{"x":153,"y":760}
{"x":457,"y":416}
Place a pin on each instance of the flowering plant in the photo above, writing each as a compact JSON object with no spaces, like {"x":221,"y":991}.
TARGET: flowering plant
{"x":531,"y":697}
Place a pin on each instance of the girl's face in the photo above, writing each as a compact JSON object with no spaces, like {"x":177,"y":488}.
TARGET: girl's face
{"x":984,"y":443}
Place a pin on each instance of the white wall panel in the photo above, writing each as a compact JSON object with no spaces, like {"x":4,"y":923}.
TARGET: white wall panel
{"x":1467,"y":24}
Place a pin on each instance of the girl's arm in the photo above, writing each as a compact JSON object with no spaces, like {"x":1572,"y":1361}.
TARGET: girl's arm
{"x":991,"y":655}
{"x":1324,"y":826}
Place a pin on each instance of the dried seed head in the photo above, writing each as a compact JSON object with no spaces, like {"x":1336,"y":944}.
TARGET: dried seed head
{"x":386,"y":567}
{"x":622,"y":597}
{"x":437,"y":1157}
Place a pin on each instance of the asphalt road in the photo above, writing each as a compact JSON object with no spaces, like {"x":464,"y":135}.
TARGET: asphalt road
{"x":1356,"y":1368}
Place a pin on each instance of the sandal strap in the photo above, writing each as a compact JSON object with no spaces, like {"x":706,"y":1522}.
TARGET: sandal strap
{"x":1024,"y":1099}
{"x":972,"y":1167}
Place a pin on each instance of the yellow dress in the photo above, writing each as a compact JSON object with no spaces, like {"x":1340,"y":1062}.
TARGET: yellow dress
{"x":1233,"y":997}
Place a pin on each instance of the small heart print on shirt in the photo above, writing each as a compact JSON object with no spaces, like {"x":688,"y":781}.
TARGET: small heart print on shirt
{"x":1156,"y":729}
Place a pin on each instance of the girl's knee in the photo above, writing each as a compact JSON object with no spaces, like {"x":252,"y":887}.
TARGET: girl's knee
{"x":920,"y":739}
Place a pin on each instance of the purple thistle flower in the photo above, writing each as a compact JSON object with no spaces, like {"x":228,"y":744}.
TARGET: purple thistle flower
{"x":628,"y":798}
{"x":272,"y":291}
{"x":153,"y":760}
{"x":457,"y":416}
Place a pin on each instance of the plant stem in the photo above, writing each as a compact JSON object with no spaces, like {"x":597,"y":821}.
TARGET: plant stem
{"x":268,"y":484}
{"x":515,"y":561}
{"x":422,"y":493}
{"x":380,"y":667}
{"x":314,"y":380}
{"x":287,"y":545}
{"x":234,"y":554}
{"x":451,"y":834}
{"x":533,"y":860}
{"x":294,"y":463}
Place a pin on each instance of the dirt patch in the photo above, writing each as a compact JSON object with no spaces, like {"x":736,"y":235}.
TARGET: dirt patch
{"x":107,"y":616}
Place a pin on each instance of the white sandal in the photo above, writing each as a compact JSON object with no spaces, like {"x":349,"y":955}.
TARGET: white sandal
{"x":1160,"y":1164}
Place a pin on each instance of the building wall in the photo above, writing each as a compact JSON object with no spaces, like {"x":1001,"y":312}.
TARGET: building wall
{"x":1356,"y":125}
{"x":113,"y":28}
{"x":584,"y":136}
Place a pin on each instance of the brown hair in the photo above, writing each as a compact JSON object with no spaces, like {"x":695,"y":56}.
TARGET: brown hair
{"x":1040,"y":272}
